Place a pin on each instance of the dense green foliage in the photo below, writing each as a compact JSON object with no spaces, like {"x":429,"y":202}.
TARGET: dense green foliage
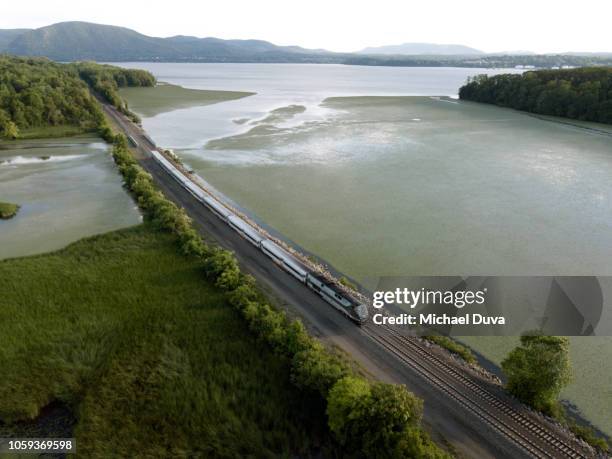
{"x":37,"y":95}
{"x":537,"y":370}
{"x":37,"y":92}
{"x":148,"y":355}
{"x":377,"y":417}
{"x":314,"y":369}
{"x":583,"y":94}
{"x":105,"y":80}
{"x":8,"y":210}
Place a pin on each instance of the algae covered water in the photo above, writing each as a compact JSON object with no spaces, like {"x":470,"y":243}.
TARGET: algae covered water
{"x":381,"y":171}
{"x":67,"y":189}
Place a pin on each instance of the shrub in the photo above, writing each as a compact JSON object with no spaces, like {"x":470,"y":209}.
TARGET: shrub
{"x":106,"y":132}
{"x":297,"y":338}
{"x":223,"y":266}
{"x":317,"y":370}
{"x":242,"y":295}
{"x":378,"y":420}
{"x":191,"y":243}
{"x":346,"y":400}
{"x":537,"y":370}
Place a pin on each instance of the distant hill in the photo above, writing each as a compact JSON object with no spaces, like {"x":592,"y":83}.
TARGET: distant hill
{"x":8,"y":35}
{"x":518,"y":52}
{"x":596,"y":54}
{"x":71,"y":41}
{"x":415,"y":49}
{"x":79,"y":41}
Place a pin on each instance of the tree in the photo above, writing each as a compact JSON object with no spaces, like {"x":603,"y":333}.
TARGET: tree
{"x":10,"y":130}
{"x":317,"y":370}
{"x":346,"y":405}
{"x":583,"y":93}
{"x":537,"y":370}
{"x":381,"y":420}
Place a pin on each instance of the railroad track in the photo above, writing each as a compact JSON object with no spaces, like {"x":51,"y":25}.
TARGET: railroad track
{"x":495,"y":412}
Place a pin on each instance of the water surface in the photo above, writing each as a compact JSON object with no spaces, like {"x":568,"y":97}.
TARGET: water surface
{"x":67,"y":189}
{"x":397,"y":185}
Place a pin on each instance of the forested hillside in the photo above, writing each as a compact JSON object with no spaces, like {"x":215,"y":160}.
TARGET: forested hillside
{"x":8,"y":35}
{"x":582,"y":94}
{"x":37,"y":93}
{"x":76,"y":40}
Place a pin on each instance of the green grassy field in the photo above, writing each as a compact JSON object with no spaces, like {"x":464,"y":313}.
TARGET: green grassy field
{"x":8,"y":210}
{"x":129,"y":336}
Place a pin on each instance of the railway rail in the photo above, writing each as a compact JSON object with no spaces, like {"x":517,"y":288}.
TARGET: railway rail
{"x":493,"y":410}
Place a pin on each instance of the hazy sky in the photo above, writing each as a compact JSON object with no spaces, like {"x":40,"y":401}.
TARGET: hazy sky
{"x":339,"y":25}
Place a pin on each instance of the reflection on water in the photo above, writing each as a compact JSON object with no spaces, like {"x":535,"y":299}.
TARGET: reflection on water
{"x":67,"y":189}
{"x":407,"y":186}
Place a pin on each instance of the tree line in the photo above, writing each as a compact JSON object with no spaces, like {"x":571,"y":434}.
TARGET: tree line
{"x":582,"y":94}
{"x":105,"y":80}
{"x":480,"y":61}
{"x":35,"y":92}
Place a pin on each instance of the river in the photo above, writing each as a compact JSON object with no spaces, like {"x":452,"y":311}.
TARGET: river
{"x":408,"y":182}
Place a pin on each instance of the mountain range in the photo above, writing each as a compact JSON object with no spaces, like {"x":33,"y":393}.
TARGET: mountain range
{"x":414,"y":49}
{"x":73,"y":41}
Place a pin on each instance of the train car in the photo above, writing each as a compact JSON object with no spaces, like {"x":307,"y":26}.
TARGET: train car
{"x":218,"y":209}
{"x":150,"y":140}
{"x":286,"y":261}
{"x":246,"y":230}
{"x":353,"y":310}
{"x":132,"y":141}
{"x":194,"y":189}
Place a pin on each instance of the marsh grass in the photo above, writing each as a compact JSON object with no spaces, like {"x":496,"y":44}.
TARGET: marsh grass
{"x":8,"y":210}
{"x":149,"y":356}
{"x":151,"y":101}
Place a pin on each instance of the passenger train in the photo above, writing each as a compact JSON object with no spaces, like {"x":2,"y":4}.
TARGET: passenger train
{"x":355,"y":311}
{"x":132,"y":141}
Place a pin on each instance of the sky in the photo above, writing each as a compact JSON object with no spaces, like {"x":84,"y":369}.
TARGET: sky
{"x":339,"y":25}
